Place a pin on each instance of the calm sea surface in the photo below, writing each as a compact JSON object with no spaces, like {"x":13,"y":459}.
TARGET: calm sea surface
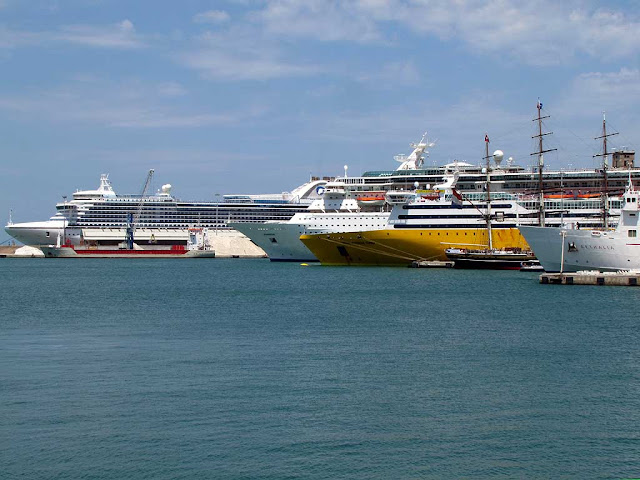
{"x":243,"y":369}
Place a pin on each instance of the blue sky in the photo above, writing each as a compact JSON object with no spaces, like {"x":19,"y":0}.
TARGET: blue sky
{"x":244,"y":96}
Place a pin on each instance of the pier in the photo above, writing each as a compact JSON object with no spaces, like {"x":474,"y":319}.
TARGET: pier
{"x":625,"y":279}
{"x":431,"y":264}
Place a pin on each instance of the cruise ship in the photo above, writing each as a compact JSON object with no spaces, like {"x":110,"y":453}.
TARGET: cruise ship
{"x":160,"y":218}
{"x":358,"y":203}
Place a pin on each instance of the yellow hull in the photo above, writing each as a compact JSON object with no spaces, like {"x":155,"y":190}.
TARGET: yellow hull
{"x":403,"y":246}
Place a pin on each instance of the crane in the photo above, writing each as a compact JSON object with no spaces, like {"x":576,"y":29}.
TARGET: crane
{"x":132,"y":219}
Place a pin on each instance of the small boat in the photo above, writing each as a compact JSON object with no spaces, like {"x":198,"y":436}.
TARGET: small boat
{"x":531,"y":266}
{"x":371,"y":200}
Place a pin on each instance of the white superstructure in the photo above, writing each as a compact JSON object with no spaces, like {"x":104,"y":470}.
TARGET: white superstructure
{"x":574,"y":249}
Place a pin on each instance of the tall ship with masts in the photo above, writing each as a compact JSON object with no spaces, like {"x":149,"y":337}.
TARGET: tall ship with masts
{"x":572,"y":248}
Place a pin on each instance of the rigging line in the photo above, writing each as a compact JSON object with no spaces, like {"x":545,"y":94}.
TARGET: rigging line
{"x":620,"y":135}
{"x":585,"y":142}
{"x":388,"y":250}
{"x":402,"y":254}
{"x":401,"y":251}
{"x":522,"y":128}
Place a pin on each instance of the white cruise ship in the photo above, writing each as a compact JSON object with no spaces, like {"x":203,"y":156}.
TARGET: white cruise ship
{"x":161,"y":218}
{"x":333,"y":212}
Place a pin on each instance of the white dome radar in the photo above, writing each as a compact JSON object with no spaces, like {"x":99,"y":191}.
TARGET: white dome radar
{"x":498,"y":155}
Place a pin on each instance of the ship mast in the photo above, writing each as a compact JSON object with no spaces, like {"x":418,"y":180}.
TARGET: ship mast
{"x":605,"y":160}
{"x":541,"y":151}
{"x":488,"y":188}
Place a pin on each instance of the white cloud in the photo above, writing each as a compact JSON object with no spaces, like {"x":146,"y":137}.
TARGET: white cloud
{"x":126,"y":106}
{"x":391,"y":75}
{"x":121,"y":35}
{"x":615,"y":92}
{"x":171,"y":89}
{"x":539,"y":32}
{"x":319,"y":19}
{"x":12,"y":39}
{"x":212,"y":16}
{"x":240,"y":54}
{"x":217,"y":65}
{"x":534,"y":32}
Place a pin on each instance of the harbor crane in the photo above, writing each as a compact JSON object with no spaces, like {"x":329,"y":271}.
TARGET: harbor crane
{"x":132,"y":219}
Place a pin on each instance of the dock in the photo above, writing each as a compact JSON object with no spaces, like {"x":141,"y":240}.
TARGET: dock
{"x":626,"y":279}
{"x":431,"y":264}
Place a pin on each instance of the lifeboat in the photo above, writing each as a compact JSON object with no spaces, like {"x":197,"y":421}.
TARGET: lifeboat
{"x":559,"y":195}
{"x":573,"y":195}
{"x":371,"y":200}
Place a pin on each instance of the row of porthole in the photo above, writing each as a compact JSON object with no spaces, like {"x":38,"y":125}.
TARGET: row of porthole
{"x":447,"y":234}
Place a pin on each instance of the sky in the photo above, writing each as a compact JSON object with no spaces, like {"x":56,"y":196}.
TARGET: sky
{"x":255,"y":96}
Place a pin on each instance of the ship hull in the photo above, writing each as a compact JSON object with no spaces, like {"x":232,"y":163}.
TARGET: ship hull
{"x":489,"y":260}
{"x":35,"y":233}
{"x":280,"y":241}
{"x":69,"y":252}
{"x":401,"y":247}
{"x":582,"y":249}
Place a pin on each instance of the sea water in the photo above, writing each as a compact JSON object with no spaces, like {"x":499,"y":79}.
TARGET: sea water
{"x":246,"y":369}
